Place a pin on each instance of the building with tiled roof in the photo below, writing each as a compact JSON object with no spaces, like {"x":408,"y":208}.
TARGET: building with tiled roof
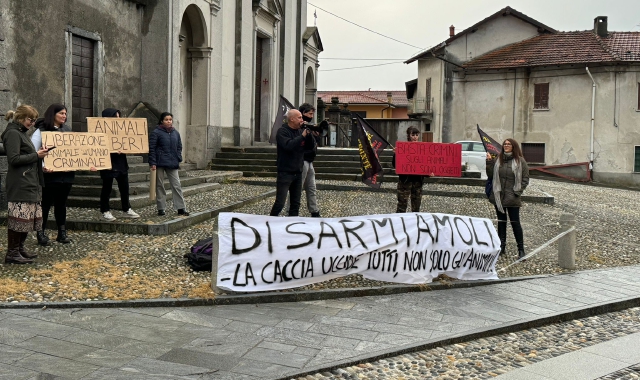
{"x":371,"y":104}
{"x":516,"y":77}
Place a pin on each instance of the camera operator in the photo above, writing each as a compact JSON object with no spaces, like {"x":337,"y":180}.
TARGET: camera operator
{"x":291,"y":142}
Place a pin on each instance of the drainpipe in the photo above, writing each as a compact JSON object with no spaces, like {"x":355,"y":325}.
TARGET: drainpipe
{"x":391,"y":106}
{"x":593,"y":117}
{"x":170,"y":58}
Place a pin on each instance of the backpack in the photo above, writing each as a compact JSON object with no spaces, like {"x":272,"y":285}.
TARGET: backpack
{"x":200,"y":256}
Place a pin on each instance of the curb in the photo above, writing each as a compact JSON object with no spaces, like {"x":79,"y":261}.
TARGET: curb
{"x":267,"y":297}
{"x":164,"y":228}
{"x":576,"y":313}
{"x":546,"y":199}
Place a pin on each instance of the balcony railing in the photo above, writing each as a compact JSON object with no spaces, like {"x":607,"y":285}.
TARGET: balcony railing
{"x":419,"y":106}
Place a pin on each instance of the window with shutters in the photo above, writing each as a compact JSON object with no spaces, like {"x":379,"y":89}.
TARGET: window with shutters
{"x":541,"y":96}
{"x":636,"y":160}
{"x":533,"y":152}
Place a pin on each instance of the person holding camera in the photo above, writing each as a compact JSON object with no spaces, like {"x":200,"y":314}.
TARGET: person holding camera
{"x":291,"y":143}
{"x":308,"y":172}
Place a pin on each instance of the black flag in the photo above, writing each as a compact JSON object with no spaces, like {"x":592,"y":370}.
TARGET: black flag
{"x":370,"y":144}
{"x":283,"y":108}
{"x":491,"y":146}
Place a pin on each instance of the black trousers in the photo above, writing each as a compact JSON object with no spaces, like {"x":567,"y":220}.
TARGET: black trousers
{"x":514,"y":217}
{"x":123,"y":187}
{"x":55,"y":194}
{"x":290,"y":183}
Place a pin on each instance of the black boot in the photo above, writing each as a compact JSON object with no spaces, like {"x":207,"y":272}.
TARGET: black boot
{"x":23,"y":251}
{"x":43,"y":239}
{"x":315,"y":214}
{"x":13,"y":249}
{"x":521,"y":253}
{"x":62,"y":235}
{"x":518,"y":234}
{"x":502,"y":234}
{"x":183,"y":212}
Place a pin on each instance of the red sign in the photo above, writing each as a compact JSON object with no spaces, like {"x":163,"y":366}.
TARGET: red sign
{"x":424,"y":158}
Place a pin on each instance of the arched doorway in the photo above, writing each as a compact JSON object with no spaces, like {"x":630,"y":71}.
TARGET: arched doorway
{"x":192,"y":107}
{"x":310,"y":87}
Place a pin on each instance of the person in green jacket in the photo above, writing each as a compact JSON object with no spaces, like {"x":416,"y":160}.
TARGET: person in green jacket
{"x":24,"y":183}
{"x":510,"y":176}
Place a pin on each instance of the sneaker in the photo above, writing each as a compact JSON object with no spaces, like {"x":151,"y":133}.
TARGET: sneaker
{"x":108,"y":217}
{"x":131,"y":214}
{"x":183,"y":212}
{"x":160,"y":212}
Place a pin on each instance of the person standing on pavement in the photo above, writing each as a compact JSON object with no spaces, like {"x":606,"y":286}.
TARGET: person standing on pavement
{"x":165,"y":155}
{"x":509,"y":174}
{"x":120,"y":172}
{"x":24,"y":183}
{"x":409,"y":186}
{"x":57,"y":185}
{"x":291,"y":141}
{"x":308,"y":171}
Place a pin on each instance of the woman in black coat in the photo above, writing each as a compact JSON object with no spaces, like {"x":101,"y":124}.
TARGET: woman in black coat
{"x":409,"y":186}
{"x":165,"y":155}
{"x":509,"y":174}
{"x":57,"y":185}
{"x":120,"y":172}
{"x":24,"y":183}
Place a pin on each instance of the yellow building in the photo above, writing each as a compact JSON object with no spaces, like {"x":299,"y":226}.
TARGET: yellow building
{"x":371,"y":104}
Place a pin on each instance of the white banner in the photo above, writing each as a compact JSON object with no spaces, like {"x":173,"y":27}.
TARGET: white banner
{"x":259,"y":252}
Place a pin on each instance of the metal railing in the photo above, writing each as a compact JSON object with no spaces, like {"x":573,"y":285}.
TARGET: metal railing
{"x":419,"y":106}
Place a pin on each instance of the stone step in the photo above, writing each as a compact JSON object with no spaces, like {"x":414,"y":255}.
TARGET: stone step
{"x":321,"y":150}
{"x":262,"y":159}
{"x":95,"y":180}
{"x":344,"y":169}
{"x":467,"y":181}
{"x":139,"y":200}
{"x":141,"y":187}
{"x":318,"y":164}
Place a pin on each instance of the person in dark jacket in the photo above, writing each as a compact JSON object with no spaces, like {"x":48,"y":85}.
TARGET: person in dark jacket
{"x":57,"y":184}
{"x":509,"y":174}
{"x":291,"y":142}
{"x":409,"y":186}
{"x":24,"y":183}
{"x":165,"y":155}
{"x":308,"y":171}
{"x":120,"y":172}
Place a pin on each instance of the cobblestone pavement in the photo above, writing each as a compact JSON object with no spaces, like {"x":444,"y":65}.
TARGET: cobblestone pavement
{"x":101,"y":266}
{"x":489,"y":357}
{"x":277,"y":341}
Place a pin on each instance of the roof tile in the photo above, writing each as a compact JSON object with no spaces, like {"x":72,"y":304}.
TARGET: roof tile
{"x":562,"y":48}
{"x":398,"y":98}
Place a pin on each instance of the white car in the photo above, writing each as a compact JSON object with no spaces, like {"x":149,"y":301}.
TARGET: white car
{"x":473,"y":153}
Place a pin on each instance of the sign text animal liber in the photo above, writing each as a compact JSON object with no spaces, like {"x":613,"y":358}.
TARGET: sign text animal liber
{"x":126,"y":135}
{"x":265,"y":253}
{"x":423,"y":158}
{"x":76,"y":151}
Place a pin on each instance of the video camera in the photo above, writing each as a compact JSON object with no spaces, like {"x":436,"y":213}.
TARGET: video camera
{"x":322,"y":128}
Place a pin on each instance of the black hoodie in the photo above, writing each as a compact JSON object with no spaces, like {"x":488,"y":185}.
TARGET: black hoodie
{"x":119,"y":162}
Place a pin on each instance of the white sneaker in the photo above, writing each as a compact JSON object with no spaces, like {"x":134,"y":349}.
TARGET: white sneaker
{"x":108,"y":217}
{"x":131,"y":214}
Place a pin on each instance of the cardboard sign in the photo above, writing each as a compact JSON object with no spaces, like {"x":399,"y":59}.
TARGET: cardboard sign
{"x":76,"y":151}
{"x":258,"y":253}
{"x":423,"y":158}
{"x":126,"y":135}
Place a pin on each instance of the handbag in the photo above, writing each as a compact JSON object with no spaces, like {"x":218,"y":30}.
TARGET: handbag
{"x":488,"y":187}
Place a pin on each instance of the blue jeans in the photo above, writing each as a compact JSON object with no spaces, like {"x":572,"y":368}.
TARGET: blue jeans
{"x":290,"y":183}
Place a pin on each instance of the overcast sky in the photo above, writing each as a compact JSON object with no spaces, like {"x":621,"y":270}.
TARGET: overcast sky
{"x":425,"y":23}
